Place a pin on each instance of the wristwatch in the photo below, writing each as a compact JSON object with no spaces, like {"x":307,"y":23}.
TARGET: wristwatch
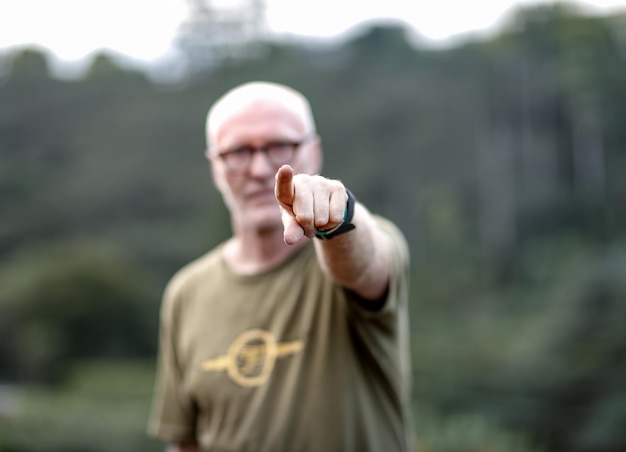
{"x":343,"y":227}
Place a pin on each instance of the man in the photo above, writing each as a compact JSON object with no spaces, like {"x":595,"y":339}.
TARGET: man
{"x":293,"y":334}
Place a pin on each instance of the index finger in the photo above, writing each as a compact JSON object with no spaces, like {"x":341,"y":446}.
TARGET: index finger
{"x":283,"y":188}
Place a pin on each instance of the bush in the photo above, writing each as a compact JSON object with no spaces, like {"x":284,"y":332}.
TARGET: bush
{"x":466,"y":433}
{"x":63,"y":302}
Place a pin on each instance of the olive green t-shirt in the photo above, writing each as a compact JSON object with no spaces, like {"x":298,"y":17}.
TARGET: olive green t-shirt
{"x":285,"y":360}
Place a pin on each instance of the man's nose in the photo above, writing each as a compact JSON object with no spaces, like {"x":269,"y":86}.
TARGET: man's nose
{"x":260,"y":164}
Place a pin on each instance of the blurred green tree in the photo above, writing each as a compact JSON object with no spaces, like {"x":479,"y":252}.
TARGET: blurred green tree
{"x":63,"y":302}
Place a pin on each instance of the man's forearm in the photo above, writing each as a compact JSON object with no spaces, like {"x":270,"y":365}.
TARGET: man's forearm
{"x":359,"y":259}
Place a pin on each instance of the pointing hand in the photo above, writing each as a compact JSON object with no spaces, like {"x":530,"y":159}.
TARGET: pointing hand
{"x":308,"y":203}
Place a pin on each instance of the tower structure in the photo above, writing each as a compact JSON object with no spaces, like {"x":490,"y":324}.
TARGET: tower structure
{"x":220,"y":29}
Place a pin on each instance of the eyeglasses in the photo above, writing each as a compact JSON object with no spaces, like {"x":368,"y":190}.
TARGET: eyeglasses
{"x":277,"y":152}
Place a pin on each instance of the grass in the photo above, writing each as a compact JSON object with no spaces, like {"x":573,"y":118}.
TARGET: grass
{"x":102,"y":406}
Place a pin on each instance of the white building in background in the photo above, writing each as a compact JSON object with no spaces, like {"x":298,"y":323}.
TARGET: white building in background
{"x":221,"y":29}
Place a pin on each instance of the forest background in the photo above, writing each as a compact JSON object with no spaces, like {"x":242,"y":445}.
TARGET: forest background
{"x":502,"y":160}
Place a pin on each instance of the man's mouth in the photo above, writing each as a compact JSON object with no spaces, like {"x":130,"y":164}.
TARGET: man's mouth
{"x":261,"y":197}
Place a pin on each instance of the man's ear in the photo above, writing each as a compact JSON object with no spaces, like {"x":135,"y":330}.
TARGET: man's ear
{"x":218,"y":181}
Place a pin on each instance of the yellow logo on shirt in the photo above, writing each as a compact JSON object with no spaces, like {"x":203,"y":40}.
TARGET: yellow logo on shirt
{"x":251,"y":357}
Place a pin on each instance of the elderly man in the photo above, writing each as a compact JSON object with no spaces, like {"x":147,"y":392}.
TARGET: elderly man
{"x":293,"y":334}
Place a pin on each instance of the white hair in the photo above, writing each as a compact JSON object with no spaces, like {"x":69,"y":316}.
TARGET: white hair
{"x":243,"y":95}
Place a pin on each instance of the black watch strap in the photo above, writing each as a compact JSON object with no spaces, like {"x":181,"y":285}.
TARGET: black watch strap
{"x":346,"y":225}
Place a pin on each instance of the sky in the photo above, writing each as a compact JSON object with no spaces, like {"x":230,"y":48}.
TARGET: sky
{"x":144,"y":29}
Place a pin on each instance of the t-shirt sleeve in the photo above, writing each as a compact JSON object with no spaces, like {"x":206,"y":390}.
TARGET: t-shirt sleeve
{"x":173,"y":414}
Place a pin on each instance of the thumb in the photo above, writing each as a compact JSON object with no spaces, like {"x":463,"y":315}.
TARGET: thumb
{"x":292,"y":231}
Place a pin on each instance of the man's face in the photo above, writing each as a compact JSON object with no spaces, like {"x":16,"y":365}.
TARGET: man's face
{"x":249,"y":191}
